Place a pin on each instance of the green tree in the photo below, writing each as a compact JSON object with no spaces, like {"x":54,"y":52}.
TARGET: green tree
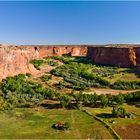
{"x":119,"y":99}
{"x":118,"y":111}
{"x":64,"y":100}
{"x":104,"y":100}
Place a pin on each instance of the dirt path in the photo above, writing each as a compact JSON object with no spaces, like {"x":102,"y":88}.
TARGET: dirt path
{"x":107,"y":91}
{"x":77,"y":132}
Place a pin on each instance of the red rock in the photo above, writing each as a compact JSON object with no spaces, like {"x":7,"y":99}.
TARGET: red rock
{"x":15,"y":59}
{"x":124,"y":56}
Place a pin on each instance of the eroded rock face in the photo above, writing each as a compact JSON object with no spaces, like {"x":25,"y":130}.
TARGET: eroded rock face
{"x":126,"y":56}
{"x":15,"y":59}
{"x":137,"y":54}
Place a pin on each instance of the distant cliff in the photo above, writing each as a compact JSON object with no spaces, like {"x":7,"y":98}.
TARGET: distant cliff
{"x":15,"y":59}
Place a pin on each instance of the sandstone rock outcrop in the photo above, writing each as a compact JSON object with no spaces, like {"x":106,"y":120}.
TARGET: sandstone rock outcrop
{"x":115,"y":56}
{"x":15,"y":59}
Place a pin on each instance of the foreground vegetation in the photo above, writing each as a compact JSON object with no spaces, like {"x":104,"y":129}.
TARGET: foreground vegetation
{"x":27,"y":123}
{"x":45,"y":112}
{"x":126,"y":128}
{"x":19,"y":91}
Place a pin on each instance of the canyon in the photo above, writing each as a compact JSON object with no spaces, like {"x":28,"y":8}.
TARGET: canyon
{"x":15,"y":59}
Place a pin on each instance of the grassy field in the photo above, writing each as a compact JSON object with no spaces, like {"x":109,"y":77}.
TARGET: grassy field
{"x":36,"y":123}
{"x":127,"y":128}
{"x":28,"y":123}
{"x":125,"y":74}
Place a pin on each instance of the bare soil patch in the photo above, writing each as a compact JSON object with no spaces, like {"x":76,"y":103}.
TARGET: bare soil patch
{"x":107,"y":91}
{"x":131,"y":131}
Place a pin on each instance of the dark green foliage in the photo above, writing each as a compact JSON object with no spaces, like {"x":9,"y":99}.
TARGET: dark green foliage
{"x":4,"y":104}
{"x":132,"y":97}
{"x":110,"y":99}
{"x":78,"y":76}
{"x":67,"y":59}
{"x":17,"y":91}
{"x":125,"y":85}
{"x":64,"y":100}
{"x":119,"y":99}
{"x":37,"y":63}
{"x":118,"y":111}
{"x":46,"y":78}
{"x":52,"y":63}
{"x":61,"y":85}
{"x":85,"y":99}
{"x":28,"y":74}
{"x":105,"y":71}
{"x":104,"y":100}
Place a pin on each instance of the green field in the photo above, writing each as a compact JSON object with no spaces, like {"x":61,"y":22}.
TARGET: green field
{"x":127,"y":128}
{"x":28,"y":123}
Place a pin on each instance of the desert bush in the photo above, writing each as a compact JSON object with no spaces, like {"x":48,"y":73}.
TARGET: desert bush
{"x":37,"y":63}
{"x":64,"y":100}
{"x":52,"y":63}
{"x":46,"y":78}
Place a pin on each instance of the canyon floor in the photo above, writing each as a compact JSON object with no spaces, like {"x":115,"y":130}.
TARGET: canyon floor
{"x":68,"y":75}
{"x":109,"y":73}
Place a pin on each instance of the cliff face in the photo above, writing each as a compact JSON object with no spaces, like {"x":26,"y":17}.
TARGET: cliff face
{"x":15,"y":59}
{"x":114,"y":56}
{"x":137,"y":54}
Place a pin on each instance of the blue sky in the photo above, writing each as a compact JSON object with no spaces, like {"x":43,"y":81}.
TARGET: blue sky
{"x":69,"y":22}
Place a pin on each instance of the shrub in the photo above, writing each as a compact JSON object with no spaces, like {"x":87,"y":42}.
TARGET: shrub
{"x":46,"y":78}
{"x":125,"y":85}
{"x":28,"y":74}
{"x":118,"y":112}
{"x":37,"y":63}
{"x":52,"y":63}
{"x":64,"y":100}
{"x":119,"y":99}
{"x":104,"y":100}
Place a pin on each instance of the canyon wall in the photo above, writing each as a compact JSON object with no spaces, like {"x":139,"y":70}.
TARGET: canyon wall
{"x":16,"y":59}
{"x":114,"y":56}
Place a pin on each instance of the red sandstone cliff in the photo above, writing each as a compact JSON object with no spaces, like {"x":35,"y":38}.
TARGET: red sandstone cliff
{"x":15,"y":59}
{"x":137,"y":55}
{"x":125,"y":56}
